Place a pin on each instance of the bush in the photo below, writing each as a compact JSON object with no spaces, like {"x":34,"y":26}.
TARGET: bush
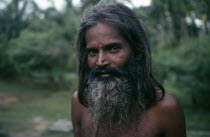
{"x":42,"y":55}
{"x":186,"y":68}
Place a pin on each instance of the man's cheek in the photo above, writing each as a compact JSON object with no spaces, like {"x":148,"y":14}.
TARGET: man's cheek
{"x":119,"y":61}
{"x":91,"y":62}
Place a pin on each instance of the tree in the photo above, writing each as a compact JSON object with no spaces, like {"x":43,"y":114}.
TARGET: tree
{"x":177,"y":10}
{"x":13,"y":20}
{"x":43,"y":47}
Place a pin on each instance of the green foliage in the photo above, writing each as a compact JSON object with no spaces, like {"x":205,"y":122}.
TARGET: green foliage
{"x":14,"y":17}
{"x":43,"y":49}
{"x":197,"y":119}
{"x":186,"y":68}
{"x":40,"y":55}
{"x":171,"y":15}
{"x":70,"y":25}
{"x":38,"y":52}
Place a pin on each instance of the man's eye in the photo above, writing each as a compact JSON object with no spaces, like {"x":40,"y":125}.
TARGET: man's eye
{"x":114,"y":49}
{"x":92,"y":52}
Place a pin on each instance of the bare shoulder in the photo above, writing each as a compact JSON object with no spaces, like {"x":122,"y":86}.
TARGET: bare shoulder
{"x":75,"y":99}
{"x":169,"y":106}
{"x":76,"y":108}
{"x":76,"y":114}
{"x":171,"y":116}
{"x":169,"y":101}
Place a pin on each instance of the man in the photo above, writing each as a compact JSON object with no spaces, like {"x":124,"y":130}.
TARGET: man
{"x":118,"y":95}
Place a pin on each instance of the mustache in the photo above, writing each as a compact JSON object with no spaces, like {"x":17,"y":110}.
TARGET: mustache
{"x":108,"y":70}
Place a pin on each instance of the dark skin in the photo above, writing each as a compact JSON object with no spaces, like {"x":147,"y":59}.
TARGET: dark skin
{"x":106,"y":47}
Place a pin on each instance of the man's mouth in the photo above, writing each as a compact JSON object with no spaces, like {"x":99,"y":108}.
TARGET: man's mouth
{"x":104,"y":75}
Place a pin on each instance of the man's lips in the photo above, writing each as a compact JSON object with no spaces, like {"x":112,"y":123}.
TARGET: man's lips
{"x":106,"y":72}
{"x":103,"y":74}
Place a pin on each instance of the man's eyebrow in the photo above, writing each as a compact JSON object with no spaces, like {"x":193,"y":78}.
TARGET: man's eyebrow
{"x":113,"y":44}
{"x":89,"y":49}
{"x":109,"y":45}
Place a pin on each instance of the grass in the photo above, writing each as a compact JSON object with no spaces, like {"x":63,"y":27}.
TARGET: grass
{"x":32,"y":101}
{"x":35,"y":101}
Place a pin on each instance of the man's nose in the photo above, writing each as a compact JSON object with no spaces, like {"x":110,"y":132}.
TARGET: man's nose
{"x":102,"y":60}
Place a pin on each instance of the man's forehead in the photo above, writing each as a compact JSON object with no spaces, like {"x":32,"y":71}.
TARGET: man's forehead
{"x":96,"y":44}
{"x":103,"y":34}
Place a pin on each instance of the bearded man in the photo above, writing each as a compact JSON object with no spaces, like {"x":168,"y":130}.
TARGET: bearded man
{"x":118,"y":95}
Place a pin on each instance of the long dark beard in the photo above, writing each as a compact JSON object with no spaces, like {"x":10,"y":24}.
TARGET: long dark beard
{"x":114,"y":102}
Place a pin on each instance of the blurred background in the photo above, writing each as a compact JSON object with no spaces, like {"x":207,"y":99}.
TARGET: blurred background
{"x":38,"y":61}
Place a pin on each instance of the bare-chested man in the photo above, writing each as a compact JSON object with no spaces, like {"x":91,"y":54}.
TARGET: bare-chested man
{"x":118,"y":95}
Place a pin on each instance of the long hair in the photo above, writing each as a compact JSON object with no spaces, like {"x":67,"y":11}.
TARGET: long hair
{"x":132,"y":30}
